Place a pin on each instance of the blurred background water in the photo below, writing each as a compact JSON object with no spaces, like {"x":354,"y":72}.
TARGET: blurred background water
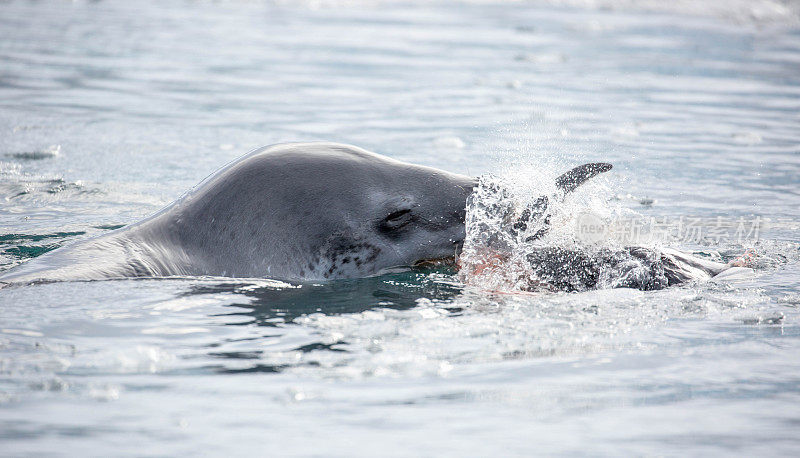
{"x":110,"y":110}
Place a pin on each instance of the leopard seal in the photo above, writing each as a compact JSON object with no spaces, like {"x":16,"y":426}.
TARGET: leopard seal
{"x":295,"y":211}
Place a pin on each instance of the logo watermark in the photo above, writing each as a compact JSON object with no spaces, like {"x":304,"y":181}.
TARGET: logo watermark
{"x":592,"y":228}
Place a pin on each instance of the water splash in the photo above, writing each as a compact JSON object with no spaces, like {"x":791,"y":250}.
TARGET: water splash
{"x":523,"y":233}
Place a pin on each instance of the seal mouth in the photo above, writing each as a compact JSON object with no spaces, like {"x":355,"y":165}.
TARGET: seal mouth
{"x":449,"y":261}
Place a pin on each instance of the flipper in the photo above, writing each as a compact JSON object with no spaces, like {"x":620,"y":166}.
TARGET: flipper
{"x":569,"y":181}
{"x":536,"y":213}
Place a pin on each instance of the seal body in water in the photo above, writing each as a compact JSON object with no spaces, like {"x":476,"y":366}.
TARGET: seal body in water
{"x":642,"y":268}
{"x":300,"y":211}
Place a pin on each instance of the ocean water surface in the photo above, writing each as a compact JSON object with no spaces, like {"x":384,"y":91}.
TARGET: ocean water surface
{"x":110,"y":110}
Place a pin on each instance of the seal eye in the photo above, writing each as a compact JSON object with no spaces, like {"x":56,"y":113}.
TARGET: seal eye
{"x":396,"y":220}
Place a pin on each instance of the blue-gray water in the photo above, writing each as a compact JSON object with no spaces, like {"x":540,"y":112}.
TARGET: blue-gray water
{"x":109,"y":110}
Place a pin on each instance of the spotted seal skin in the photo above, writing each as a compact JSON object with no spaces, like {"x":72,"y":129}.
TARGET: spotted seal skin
{"x":299,"y":211}
{"x":646,"y":269}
